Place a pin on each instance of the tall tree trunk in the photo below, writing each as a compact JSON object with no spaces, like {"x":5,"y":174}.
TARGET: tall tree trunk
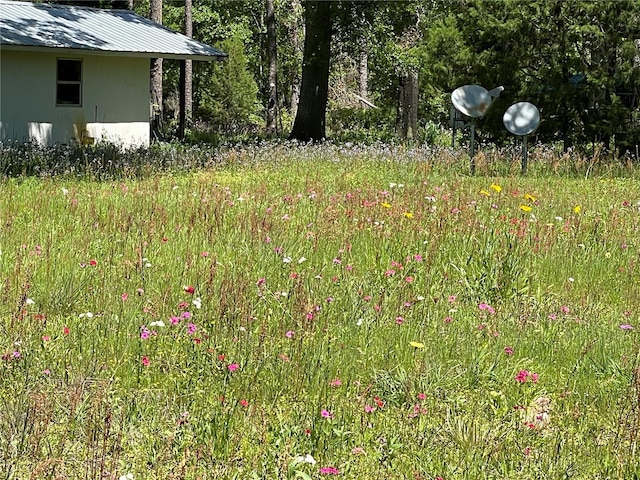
{"x":272,"y":57}
{"x":407,"y":107}
{"x":363,"y":64}
{"x":188,"y":64}
{"x":156,"y":75}
{"x":312,"y":109}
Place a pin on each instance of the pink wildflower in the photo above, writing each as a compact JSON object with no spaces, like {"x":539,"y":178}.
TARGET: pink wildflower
{"x":233,"y":367}
{"x":329,"y":471}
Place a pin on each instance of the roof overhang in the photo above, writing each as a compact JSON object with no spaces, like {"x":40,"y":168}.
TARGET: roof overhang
{"x":106,"y":53}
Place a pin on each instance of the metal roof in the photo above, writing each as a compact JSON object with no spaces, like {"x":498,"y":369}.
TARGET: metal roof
{"x":41,"y":26}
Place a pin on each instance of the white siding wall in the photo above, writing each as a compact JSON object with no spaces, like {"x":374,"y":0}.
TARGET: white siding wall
{"x":115,"y":99}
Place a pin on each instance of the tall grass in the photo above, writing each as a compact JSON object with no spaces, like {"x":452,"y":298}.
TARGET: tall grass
{"x":280,"y":312}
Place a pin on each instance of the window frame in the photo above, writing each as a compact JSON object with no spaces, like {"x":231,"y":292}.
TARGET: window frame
{"x":60,"y":82}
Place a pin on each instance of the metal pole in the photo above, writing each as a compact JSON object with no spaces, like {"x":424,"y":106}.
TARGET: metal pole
{"x":472,"y":147}
{"x":524,"y":154}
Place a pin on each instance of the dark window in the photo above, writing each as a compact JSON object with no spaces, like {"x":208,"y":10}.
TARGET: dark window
{"x":69,"y":82}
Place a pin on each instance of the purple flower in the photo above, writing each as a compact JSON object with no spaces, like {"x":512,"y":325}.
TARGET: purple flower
{"x":626,"y":326}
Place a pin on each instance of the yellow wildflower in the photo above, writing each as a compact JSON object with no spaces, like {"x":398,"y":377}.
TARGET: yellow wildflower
{"x":577,"y":209}
{"x":525,"y":208}
{"x":386,"y":205}
{"x":485,"y":193}
{"x":408,"y":214}
{"x":530,"y":197}
{"x":416,"y":344}
{"x":496,"y":187}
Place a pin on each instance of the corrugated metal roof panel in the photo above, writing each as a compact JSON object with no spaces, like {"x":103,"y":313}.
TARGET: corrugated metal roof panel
{"x":117,"y":32}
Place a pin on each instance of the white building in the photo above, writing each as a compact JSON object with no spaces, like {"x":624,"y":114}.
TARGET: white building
{"x":81,"y":74}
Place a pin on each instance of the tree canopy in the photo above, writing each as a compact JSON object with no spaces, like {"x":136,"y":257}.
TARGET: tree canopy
{"x":341,"y":65}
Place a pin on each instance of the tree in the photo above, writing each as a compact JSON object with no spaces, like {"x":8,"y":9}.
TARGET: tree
{"x":272,"y":78}
{"x":310,"y":122}
{"x":188,"y":67}
{"x":156,"y":73}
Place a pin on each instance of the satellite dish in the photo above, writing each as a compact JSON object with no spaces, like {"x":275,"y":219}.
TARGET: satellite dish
{"x":495,"y":92}
{"x":472,"y":100}
{"x":521,"y":118}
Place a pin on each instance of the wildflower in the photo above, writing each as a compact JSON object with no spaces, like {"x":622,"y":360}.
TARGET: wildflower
{"x":66,"y":330}
{"x":144,"y":333}
{"x":191,"y":328}
{"x":128,"y":476}
{"x":525,"y":208}
{"x":326,"y":414}
{"x":408,"y":214}
{"x":204,"y":254}
{"x":29,"y":301}
{"x":399,"y":320}
{"x":46,"y":338}
{"x":385,"y":205}
{"x":289,"y":334}
{"x":358,"y":451}
{"x":524,"y":376}
{"x":329,"y":471}
{"x":189,"y":289}
{"x":244,"y":403}
{"x":530,"y":197}
{"x":369,"y":409}
{"x":485,"y":193}
{"x":305,"y":459}
{"x":336,"y":382}
{"x":145,"y":361}
{"x":124,"y":297}
{"x":416,"y":345}
{"x":197,"y":302}
{"x":408,"y":279}
{"x":174,"y":320}
{"x":422,"y":396}
{"x":577,"y":209}
{"x":233,"y":367}
{"x":389,"y":273}
{"x":486,"y":307}
{"x":496,"y":188}
{"x":626,"y":326}
{"x":508,"y":350}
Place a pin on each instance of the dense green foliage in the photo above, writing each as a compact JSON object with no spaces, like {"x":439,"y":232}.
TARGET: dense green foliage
{"x":577,"y":60}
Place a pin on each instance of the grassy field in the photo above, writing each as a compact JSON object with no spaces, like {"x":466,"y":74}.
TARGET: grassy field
{"x":321,"y":312}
